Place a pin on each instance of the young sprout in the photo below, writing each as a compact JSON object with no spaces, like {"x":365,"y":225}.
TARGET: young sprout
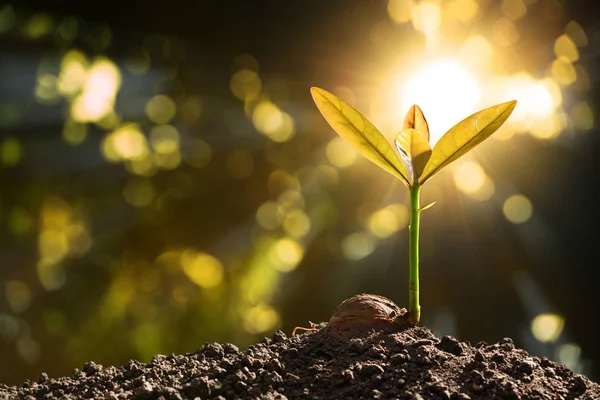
{"x":417,"y":163}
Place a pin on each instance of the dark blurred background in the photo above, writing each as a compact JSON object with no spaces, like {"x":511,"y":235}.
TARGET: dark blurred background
{"x":166,"y":180}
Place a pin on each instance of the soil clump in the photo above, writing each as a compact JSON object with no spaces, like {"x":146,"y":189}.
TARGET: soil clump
{"x":390,"y":362}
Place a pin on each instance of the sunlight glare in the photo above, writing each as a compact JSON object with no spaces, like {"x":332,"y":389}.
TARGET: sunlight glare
{"x":445,"y":91}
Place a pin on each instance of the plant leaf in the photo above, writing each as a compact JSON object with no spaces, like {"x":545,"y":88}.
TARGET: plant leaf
{"x":357,"y":130}
{"x":465,"y":135}
{"x":414,"y":152}
{"x":416,"y":120}
{"x":427,"y":206}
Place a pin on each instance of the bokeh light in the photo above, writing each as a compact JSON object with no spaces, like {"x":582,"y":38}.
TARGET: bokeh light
{"x":517,"y":209}
{"x":167,"y":187}
{"x":547,"y":327}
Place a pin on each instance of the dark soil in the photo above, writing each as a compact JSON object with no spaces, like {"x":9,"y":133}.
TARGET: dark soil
{"x":403,"y":363}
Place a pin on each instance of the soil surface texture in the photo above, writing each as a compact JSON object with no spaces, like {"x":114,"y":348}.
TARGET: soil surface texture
{"x":400,"y":362}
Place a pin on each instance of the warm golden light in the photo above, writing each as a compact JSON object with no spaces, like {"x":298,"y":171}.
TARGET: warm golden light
{"x":469,"y":177}
{"x":260,"y":318}
{"x":400,"y":11}
{"x":517,"y":209}
{"x":203,"y":269}
{"x":340,"y":153}
{"x":385,"y":222}
{"x":97,"y":98}
{"x":286,"y":254}
{"x":296,"y":223}
{"x":272,"y":122}
{"x":445,"y":91}
{"x":357,"y":245}
{"x":547,"y":327}
{"x":426,"y":17}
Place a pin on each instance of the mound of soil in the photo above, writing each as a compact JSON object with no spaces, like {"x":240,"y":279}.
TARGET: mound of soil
{"x":401,"y":363}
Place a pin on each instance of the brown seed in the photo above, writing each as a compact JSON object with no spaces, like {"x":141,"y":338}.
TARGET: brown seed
{"x":366,"y":312}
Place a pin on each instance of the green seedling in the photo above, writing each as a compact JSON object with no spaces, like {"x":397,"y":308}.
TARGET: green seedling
{"x":416,"y":161}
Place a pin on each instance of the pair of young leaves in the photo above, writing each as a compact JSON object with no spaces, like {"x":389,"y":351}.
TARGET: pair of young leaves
{"x":417,"y":162}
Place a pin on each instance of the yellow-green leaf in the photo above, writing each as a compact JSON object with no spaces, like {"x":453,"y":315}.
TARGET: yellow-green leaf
{"x":465,"y":135}
{"x":359,"y":132}
{"x":416,"y":120}
{"x":414,"y":152}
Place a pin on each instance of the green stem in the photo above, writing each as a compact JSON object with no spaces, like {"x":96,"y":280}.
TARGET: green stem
{"x":414,"y":308}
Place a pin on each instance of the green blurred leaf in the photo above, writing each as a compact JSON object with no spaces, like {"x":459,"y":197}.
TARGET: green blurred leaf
{"x":466,"y":135}
{"x":357,"y":130}
{"x":414,"y":152}
{"x":416,"y":120}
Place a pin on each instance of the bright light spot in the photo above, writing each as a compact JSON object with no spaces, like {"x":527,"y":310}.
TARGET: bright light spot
{"x":576,"y":33}
{"x":582,"y":116}
{"x":10,"y":152}
{"x":197,"y":153}
{"x":203,"y":269}
{"x":505,"y":33}
{"x":569,"y":355}
{"x":537,"y":102}
{"x":286,"y":254}
{"x":513,"y":9}
{"x":73,"y":71}
{"x":138,"y":192}
{"x":462,"y":10}
{"x":563,"y":71}
{"x":357,"y":245}
{"x":260,"y":318}
{"x":426,"y":17}
{"x":400,"y":11}
{"x":164,"y":139}
{"x":566,"y":47}
{"x":469,"y":177}
{"x":125,"y":143}
{"x":267,"y":215}
{"x":245,"y":85}
{"x":517,"y":209}
{"x":269,"y":120}
{"x":18,"y":295}
{"x":160,"y":109}
{"x":239,"y":164}
{"x":476,"y":51}
{"x":296,"y":224}
{"x":446,"y":93}
{"x":547,"y":327}
{"x":97,"y":99}
{"x":387,"y":221}
{"x":74,"y":132}
{"x":340,"y":153}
